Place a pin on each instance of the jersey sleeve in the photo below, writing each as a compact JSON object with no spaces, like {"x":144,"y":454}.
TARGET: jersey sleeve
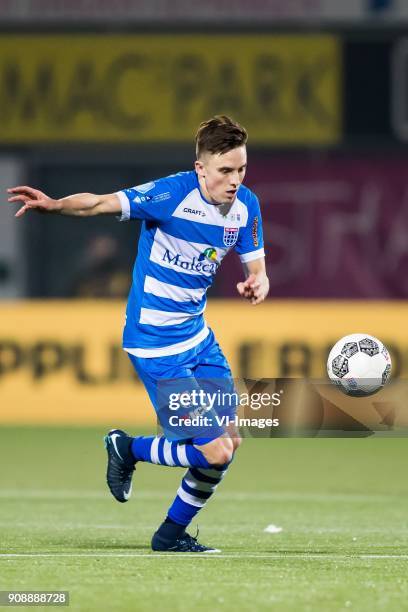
{"x":250,"y":244}
{"x":153,"y":201}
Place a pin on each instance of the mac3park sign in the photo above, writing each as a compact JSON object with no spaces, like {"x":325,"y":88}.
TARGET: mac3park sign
{"x":286,"y":89}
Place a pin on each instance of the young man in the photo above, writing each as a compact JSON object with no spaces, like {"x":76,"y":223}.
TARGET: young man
{"x":191,"y":220}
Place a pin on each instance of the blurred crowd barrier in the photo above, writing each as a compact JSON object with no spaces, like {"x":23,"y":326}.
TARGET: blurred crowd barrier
{"x":62,"y":362}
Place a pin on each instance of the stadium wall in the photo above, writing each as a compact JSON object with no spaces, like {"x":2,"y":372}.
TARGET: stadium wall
{"x":334,"y":227}
{"x":62,"y":363}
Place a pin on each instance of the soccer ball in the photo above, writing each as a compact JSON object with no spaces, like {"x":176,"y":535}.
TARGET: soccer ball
{"x":359,"y":364}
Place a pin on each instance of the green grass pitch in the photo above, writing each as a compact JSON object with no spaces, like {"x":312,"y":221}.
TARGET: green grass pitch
{"x":342,"y":505}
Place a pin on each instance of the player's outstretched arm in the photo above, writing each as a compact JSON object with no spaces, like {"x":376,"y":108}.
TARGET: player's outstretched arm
{"x":255,"y":287}
{"x":80,"y":204}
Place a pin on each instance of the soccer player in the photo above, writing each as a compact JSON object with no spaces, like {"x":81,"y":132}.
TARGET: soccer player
{"x":190,"y":222}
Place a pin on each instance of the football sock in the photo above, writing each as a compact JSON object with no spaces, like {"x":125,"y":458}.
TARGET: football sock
{"x":195,"y":490}
{"x":198,"y":483}
{"x":158,"y":450}
{"x":169,"y":530}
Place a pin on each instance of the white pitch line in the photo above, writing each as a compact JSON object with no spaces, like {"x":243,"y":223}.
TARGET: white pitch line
{"x":50,"y":525}
{"x":228,"y":496}
{"x":316,"y":556}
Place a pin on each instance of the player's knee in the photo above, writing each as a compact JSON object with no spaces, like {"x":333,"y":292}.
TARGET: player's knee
{"x":219,"y":451}
{"x":222,"y":457}
{"x":224,"y":451}
{"x":236,"y":442}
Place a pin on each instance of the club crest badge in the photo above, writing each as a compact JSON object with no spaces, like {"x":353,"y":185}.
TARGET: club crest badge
{"x":230,"y":236}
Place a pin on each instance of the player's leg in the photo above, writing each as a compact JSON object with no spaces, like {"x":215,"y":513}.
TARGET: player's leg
{"x":213,"y":372}
{"x":207,"y":458}
{"x":223,"y":447}
{"x":195,"y":490}
{"x":198,"y":485}
{"x":125,"y":451}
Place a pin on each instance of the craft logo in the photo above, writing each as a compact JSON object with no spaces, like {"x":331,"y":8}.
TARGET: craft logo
{"x":192,"y":211}
{"x":255,"y":232}
{"x":230,"y":236}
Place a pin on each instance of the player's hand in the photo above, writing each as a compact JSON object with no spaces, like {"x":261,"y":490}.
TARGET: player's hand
{"x":32,"y":199}
{"x":254,"y":288}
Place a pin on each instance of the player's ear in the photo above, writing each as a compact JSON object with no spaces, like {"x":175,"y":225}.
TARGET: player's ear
{"x":199,"y":167}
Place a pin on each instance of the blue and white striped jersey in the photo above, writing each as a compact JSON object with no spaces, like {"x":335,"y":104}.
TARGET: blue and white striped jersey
{"x":183,"y":240}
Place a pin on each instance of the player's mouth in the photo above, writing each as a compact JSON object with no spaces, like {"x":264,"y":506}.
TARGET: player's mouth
{"x":232,"y":192}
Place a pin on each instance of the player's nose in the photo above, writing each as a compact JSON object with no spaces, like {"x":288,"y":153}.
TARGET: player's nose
{"x":235,"y":180}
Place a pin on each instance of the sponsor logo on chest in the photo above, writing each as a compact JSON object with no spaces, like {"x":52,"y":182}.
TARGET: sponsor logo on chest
{"x":206,"y":263}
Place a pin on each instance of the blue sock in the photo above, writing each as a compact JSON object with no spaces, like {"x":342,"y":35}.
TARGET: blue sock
{"x":196,"y":488}
{"x":158,"y":450}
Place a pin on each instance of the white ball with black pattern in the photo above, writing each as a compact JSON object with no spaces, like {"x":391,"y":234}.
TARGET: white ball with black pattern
{"x":359,"y":364}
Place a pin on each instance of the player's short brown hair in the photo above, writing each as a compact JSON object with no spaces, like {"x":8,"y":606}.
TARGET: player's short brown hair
{"x":219,"y":135}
